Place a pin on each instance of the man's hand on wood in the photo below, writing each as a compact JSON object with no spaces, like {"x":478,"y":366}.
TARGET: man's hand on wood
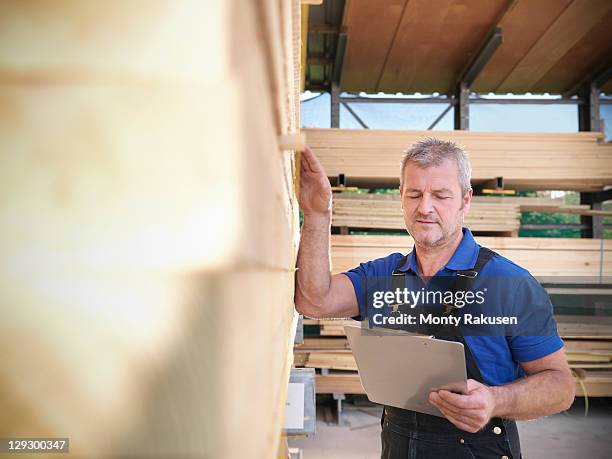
{"x":315,"y":191}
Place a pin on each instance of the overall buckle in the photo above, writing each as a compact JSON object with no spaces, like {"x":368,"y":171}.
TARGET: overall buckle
{"x":469,"y":274}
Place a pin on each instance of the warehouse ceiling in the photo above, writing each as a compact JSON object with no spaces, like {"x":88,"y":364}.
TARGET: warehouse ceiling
{"x":427,"y":46}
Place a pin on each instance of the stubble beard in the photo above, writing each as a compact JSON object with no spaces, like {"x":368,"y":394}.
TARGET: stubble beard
{"x":448,"y":232}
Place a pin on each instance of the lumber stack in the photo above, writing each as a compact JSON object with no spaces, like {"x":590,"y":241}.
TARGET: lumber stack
{"x":585,"y":327}
{"x":593,"y":383}
{"x":383,"y":211}
{"x":589,"y":358}
{"x":543,"y":205}
{"x":331,"y":327}
{"x":333,"y":360}
{"x":330,"y":355}
{"x":549,"y":259}
{"x":328,"y":328}
{"x":589,"y":383}
{"x":139,"y":161}
{"x":588,"y":342}
{"x":371,"y":158}
{"x":522,"y":201}
{"x":580,"y":209}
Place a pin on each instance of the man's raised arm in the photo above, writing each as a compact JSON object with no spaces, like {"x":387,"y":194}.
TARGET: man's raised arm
{"x":317,"y":293}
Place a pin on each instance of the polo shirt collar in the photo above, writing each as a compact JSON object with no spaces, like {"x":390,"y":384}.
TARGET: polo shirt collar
{"x":464,"y":257}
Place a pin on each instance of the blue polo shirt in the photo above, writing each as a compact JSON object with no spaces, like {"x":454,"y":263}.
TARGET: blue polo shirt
{"x":510,"y":291}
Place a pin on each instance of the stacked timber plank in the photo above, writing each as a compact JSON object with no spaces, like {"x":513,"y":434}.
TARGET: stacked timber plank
{"x":138,"y":139}
{"x":383,"y":211}
{"x":332,"y":327}
{"x":593,"y":383}
{"x":522,"y":201}
{"x":543,"y":205}
{"x":371,"y":158}
{"x":546,"y":258}
{"x":588,"y":342}
{"x":330,"y":355}
{"x":339,"y":383}
{"x":329,"y":351}
{"x":585,"y":327}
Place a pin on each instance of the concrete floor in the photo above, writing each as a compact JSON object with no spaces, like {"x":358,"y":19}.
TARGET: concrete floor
{"x":567,"y":435}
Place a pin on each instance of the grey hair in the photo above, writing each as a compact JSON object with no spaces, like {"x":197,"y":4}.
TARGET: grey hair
{"x":431,"y":152}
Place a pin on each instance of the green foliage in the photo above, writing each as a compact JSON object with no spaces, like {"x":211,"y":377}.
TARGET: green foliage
{"x":570,"y":198}
{"x":546,"y":218}
{"x":541,"y":218}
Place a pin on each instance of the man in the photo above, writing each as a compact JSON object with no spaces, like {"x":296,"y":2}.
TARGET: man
{"x":525,"y":376}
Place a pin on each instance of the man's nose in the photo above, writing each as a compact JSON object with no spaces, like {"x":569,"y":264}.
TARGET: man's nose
{"x":425,"y":205}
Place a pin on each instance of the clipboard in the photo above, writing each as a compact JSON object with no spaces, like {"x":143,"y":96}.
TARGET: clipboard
{"x":399,"y":368}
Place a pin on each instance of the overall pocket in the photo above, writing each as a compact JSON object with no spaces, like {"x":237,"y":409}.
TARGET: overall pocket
{"x":394,"y":445}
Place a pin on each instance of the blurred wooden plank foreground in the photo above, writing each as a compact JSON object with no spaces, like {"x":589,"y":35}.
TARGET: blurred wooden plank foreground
{"x":147,"y":224}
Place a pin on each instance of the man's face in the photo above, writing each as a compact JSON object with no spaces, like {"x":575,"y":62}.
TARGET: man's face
{"x":432,"y":203}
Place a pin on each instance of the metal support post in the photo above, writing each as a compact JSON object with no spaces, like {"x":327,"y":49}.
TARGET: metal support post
{"x":335,"y":105}
{"x":589,"y":120}
{"x":339,"y":397}
{"x":594,"y":224}
{"x":462,"y":107}
{"x":588,"y":112}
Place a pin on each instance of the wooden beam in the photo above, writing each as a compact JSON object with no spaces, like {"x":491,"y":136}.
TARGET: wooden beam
{"x":317,"y":343}
{"x":347,"y":383}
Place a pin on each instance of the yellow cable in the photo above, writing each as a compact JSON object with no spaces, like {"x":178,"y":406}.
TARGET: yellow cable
{"x":584,"y":392}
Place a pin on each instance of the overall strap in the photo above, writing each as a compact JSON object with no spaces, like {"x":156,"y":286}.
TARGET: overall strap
{"x":399,"y":264}
{"x":466,"y":277}
{"x":398,"y":278}
{"x":464,"y":280}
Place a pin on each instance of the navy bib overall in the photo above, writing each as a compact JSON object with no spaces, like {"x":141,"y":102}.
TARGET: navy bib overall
{"x":408,"y":434}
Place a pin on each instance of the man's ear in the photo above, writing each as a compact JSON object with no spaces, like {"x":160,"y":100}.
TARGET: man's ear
{"x":467,"y":199}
